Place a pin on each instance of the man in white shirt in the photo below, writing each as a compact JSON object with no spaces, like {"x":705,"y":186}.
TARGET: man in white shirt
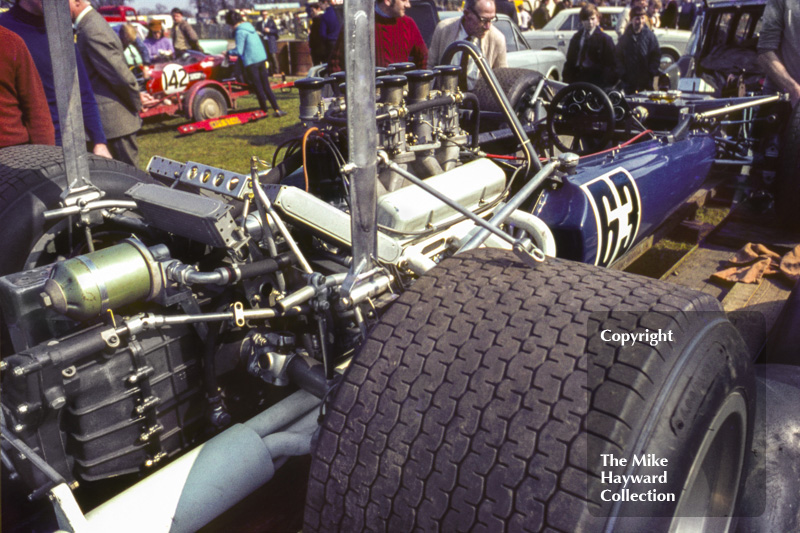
{"x":477,"y":25}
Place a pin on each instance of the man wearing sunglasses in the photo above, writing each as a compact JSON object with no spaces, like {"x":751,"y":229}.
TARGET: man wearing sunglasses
{"x":475,"y":25}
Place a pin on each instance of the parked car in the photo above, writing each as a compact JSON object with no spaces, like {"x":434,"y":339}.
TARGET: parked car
{"x":520,"y":54}
{"x":118,"y":13}
{"x":722,"y":49}
{"x":557,"y":33}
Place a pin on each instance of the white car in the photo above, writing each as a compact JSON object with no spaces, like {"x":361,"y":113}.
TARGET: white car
{"x":557,"y":33}
{"x":519,"y":53}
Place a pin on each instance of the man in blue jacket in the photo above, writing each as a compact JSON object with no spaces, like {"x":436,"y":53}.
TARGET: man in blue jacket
{"x":251,"y":53}
{"x":329,"y":26}
{"x":26,"y":19}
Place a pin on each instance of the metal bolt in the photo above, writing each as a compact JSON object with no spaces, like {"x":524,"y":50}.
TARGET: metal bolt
{"x":19,"y":428}
{"x":3,"y":366}
{"x":568,"y":160}
{"x":113,"y":340}
{"x":22,"y":408}
{"x":58,"y":403}
{"x":69,"y":372}
{"x":19,"y":371}
{"x":46,"y":300}
{"x":74,"y":485}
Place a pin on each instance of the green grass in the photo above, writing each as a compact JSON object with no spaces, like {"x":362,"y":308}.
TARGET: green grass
{"x":228,"y":148}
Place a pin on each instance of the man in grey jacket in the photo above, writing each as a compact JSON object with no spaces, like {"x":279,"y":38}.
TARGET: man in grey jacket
{"x":476,"y":25}
{"x":114,"y":85}
{"x":779,"y":46}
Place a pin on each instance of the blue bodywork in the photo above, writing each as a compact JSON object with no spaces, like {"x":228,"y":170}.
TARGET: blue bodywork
{"x":615,"y":200}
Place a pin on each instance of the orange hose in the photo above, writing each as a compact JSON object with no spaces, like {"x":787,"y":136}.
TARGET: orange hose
{"x":305,"y":167}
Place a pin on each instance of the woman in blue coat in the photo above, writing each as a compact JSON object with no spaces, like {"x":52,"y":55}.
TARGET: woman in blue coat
{"x":251,"y":53}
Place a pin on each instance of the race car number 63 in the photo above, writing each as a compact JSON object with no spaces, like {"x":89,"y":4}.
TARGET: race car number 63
{"x":174,"y":79}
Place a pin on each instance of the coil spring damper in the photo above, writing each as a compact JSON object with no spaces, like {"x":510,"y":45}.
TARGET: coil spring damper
{"x":88,"y":285}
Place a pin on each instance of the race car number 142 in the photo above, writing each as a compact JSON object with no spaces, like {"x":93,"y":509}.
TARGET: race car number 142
{"x":174,"y":79}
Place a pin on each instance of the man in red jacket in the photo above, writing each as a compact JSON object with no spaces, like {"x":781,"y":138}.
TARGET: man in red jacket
{"x":397,"y":38}
{"x":24,"y":114}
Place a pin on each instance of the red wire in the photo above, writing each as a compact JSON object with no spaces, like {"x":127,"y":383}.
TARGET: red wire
{"x":623,"y":145}
{"x":510,"y":157}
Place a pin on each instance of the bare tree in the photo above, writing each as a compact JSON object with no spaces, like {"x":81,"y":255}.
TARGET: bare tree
{"x":212,"y":7}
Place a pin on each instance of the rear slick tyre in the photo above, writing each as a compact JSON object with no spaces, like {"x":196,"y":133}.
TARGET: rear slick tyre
{"x":473,"y":404}
{"x":32,"y":179}
{"x":516,"y":83}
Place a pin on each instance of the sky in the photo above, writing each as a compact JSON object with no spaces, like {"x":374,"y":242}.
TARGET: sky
{"x":150,"y":4}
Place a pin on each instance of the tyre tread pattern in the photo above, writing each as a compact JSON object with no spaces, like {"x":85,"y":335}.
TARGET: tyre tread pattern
{"x":513,"y":81}
{"x":430,"y":428}
{"x":32,"y":178}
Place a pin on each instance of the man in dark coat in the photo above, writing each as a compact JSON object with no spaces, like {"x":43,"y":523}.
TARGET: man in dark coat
{"x":269,"y":34}
{"x":543,"y":14}
{"x":329,"y":26}
{"x":114,"y":85}
{"x":319,"y":54}
{"x":638,"y":54}
{"x":506,"y":7}
{"x":686,"y":14}
{"x":590,"y":55}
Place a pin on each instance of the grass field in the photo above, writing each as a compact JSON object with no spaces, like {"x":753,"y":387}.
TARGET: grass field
{"x":228,"y":148}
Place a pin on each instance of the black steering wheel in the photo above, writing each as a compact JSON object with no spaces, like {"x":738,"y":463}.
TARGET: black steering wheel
{"x":581,"y":119}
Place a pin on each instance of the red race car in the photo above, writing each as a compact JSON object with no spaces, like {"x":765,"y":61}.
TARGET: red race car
{"x":198,"y":85}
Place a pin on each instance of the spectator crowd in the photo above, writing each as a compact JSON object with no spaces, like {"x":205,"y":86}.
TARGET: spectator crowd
{"x":111,"y":100}
{"x":110,"y":95}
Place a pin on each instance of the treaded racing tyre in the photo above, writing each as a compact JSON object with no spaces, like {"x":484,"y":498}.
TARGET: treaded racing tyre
{"x":208,"y":103}
{"x":31,"y":181}
{"x":787,"y":181}
{"x":467,"y":409}
{"x":515,"y":82}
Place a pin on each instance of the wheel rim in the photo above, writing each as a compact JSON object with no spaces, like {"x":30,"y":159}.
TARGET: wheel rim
{"x":666,"y":61}
{"x":708,"y":498}
{"x":210,"y":108}
{"x":526,"y":108}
